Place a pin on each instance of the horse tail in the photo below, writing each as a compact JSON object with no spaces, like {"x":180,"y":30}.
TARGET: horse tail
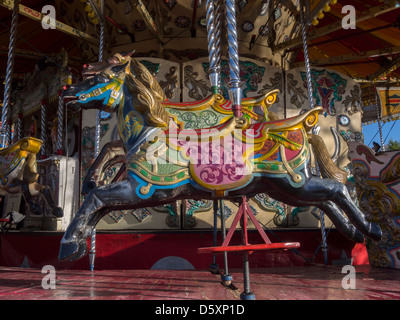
{"x":326,"y":166}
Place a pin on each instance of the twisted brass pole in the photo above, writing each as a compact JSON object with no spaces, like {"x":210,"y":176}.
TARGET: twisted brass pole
{"x":92,"y":253}
{"x":235,"y":92}
{"x":5,"y":130}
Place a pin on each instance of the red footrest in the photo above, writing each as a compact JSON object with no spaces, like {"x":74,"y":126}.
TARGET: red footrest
{"x":251,"y":247}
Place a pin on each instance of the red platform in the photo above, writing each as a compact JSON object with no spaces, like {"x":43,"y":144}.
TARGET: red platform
{"x":140,"y":251}
{"x":295,"y":283}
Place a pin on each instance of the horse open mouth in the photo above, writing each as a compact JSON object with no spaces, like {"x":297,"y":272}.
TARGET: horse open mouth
{"x":88,"y":75}
{"x":70,"y":99}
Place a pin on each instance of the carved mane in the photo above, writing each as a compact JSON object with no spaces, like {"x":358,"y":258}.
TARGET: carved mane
{"x":147,"y":95}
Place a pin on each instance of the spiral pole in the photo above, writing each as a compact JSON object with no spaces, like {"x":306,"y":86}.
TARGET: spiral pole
{"x":60,"y":124}
{"x":324,"y":245}
{"x":92,"y":253}
{"x":19,"y":126}
{"x":235,"y":92}
{"x":226,"y":277}
{"x":43,"y":129}
{"x":214,"y":266}
{"x":218,"y":34}
{"x":378,"y":117}
{"x":306,"y":57}
{"x":212,"y":48}
{"x":98,"y":118}
{"x":5,"y":134}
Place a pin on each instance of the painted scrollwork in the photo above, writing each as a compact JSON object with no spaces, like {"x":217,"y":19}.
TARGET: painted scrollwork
{"x":276,"y":83}
{"x":198,"y":88}
{"x":172,"y":218}
{"x":171,"y":84}
{"x":267,"y":203}
{"x":251,"y":76}
{"x":391,"y":173}
{"x":203,"y":119}
{"x":297,"y":94}
{"x":353,"y":101}
{"x":192,"y":206}
{"x":328,"y":88}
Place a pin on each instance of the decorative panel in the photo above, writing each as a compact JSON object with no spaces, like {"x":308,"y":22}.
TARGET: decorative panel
{"x":257,"y":78}
{"x":340,"y":98}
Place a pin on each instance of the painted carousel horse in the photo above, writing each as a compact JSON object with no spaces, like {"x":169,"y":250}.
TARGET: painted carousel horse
{"x":167,"y":162}
{"x":18,"y":174}
{"x":203,"y":114}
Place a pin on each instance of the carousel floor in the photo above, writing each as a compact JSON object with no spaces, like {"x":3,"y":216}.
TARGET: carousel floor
{"x":294,"y":283}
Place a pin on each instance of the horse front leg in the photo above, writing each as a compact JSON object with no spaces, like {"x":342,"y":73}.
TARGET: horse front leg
{"x":338,"y":194}
{"x":98,"y":202}
{"x":332,"y":198}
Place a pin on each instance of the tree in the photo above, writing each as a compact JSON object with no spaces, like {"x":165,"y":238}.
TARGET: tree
{"x":393,"y":145}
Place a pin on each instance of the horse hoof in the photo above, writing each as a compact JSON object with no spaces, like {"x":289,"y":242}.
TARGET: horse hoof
{"x":58,"y":212}
{"x":376,"y":232}
{"x":72,"y":250}
{"x":35,"y":209}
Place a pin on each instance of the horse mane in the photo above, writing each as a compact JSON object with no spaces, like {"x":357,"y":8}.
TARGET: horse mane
{"x":147,"y":95}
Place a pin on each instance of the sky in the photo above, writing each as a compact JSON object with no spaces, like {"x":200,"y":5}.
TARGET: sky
{"x":390,"y":130}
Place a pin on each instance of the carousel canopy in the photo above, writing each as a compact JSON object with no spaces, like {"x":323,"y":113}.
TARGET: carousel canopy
{"x":268,"y":30}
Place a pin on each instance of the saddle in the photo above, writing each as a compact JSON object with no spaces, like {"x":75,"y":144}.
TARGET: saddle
{"x":255,"y":108}
{"x":223,"y":157}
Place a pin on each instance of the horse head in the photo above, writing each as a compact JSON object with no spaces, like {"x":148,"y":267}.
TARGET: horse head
{"x":101,"y":87}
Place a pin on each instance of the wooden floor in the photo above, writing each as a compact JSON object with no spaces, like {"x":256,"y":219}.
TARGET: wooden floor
{"x":294,"y":283}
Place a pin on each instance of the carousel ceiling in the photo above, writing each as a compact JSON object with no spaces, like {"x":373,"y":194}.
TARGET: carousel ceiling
{"x":268,"y":30}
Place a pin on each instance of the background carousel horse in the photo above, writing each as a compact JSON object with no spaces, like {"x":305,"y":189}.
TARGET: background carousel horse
{"x":18,"y":174}
{"x":166,"y":163}
{"x":111,"y":154}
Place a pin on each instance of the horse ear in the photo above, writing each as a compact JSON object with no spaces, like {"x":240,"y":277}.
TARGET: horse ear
{"x":129,"y":54}
{"x":119,"y":68}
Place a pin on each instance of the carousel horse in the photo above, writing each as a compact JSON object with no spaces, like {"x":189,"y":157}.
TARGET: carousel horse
{"x":166,"y":161}
{"x":18,"y":174}
{"x":202,"y":114}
